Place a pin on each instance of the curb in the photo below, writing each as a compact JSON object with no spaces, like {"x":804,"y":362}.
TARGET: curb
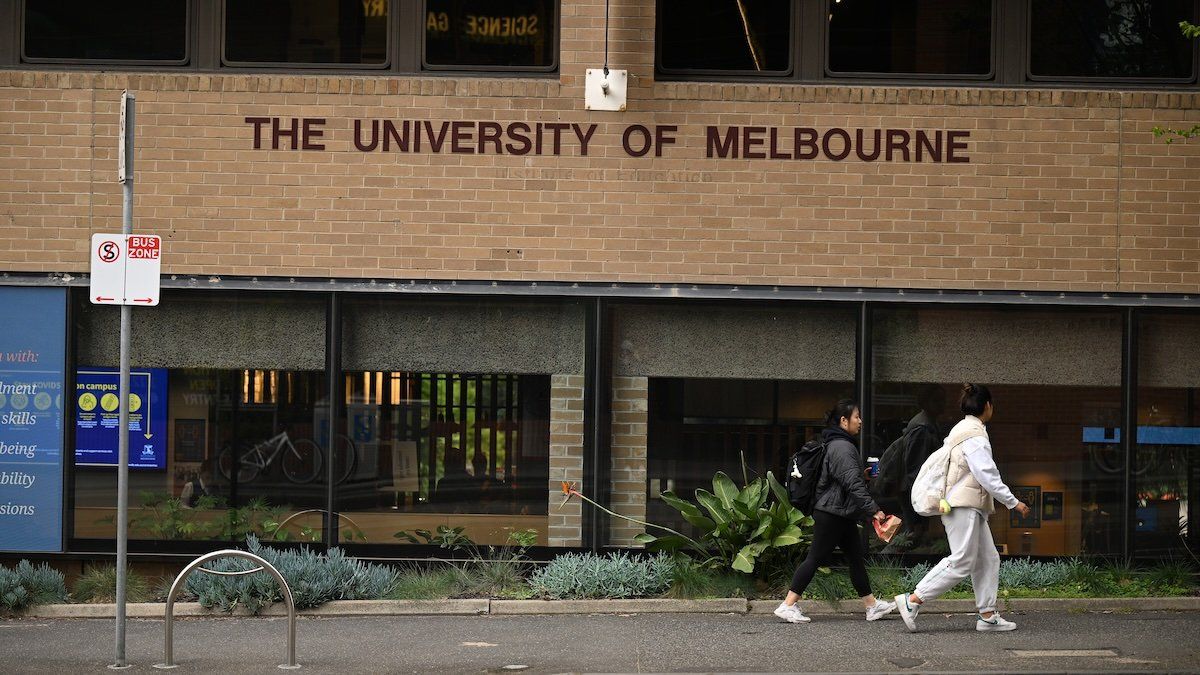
{"x":646,"y":606}
{"x":476,"y":607}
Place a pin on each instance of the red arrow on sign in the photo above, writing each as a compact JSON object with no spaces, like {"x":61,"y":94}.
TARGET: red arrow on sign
{"x":143,"y":300}
{"x":100,"y":299}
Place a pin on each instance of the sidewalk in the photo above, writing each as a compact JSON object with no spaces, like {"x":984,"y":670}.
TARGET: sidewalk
{"x":1052,"y":641}
{"x":660,"y":606}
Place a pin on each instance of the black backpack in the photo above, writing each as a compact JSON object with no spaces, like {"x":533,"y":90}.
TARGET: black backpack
{"x":803,"y":472}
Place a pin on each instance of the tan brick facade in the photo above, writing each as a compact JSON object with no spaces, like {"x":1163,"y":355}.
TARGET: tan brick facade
{"x":1065,"y":190}
{"x":628,"y":496}
{"x":566,"y":459}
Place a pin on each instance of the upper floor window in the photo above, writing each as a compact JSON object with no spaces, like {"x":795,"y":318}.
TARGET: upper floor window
{"x":1110,"y":39}
{"x":745,"y":36}
{"x":488,"y":35}
{"x":135,"y":30}
{"x":324,"y":32}
{"x":919,"y":37}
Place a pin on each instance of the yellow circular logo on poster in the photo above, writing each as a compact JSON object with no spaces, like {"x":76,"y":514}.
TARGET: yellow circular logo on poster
{"x":87,"y":402}
{"x":109,"y":402}
{"x":135,"y":403}
{"x":42,"y":401}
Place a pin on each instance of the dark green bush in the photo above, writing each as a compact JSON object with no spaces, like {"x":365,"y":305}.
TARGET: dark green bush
{"x":99,"y":584}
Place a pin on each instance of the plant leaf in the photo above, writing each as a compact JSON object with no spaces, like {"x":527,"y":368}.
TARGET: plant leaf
{"x":776,"y":487}
{"x":690,"y":511}
{"x":725,"y":489}
{"x":713,"y":505}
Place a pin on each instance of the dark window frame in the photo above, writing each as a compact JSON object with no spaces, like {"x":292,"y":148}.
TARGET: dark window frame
{"x":189,"y":29}
{"x":556,"y":51}
{"x":391,"y":36}
{"x":990,"y":76}
{"x":795,"y":38}
{"x":1104,"y":79}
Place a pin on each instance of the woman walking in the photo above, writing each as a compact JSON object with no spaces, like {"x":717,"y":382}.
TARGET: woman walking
{"x":842,"y":500}
{"x":973,"y":486}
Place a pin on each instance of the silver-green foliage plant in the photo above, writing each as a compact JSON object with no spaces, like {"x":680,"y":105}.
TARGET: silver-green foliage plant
{"x":737,"y":526}
{"x":1025,"y":573}
{"x":313,"y":578}
{"x":616,"y":575}
{"x":27,"y":584}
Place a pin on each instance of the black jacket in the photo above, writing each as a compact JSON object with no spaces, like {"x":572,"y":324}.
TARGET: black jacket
{"x":842,"y":490}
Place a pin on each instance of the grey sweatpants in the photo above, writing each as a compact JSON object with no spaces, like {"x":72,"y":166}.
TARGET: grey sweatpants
{"x":972,"y":553}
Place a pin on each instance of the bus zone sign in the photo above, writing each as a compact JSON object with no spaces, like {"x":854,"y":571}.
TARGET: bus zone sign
{"x":125,"y":269}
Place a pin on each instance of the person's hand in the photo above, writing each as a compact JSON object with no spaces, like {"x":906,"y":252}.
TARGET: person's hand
{"x":1023,"y":509}
{"x":880,"y":516}
{"x":867,"y":474}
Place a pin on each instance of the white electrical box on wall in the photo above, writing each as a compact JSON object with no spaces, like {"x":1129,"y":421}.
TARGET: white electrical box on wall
{"x":605,"y":92}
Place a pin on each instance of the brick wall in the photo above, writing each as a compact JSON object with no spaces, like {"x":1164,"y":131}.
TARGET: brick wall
{"x":566,"y":459}
{"x":628,"y":495}
{"x":1065,"y":190}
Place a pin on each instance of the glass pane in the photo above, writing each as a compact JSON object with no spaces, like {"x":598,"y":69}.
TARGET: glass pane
{"x":942,"y":37}
{"x":515,"y":33}
{"x":1055,"y":381}
{"x":217,"y":452}
{"x":307,"y":31}
{"x":744,"y":35}
{"x":140,"y":30}
{"x":698,"y":387}
{"x":1167,"y":466}
{"x":1110,"y":38}
{"x":447,"y":418}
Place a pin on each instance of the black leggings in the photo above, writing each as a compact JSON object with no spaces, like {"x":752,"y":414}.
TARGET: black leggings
{"x":830,"y":531}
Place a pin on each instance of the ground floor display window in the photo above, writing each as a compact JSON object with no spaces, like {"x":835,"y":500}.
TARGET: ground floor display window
{"x":698,"y":388}
{"x":228,"y":419}
{"x":1055,"y":379}
{"x":463,"y":414}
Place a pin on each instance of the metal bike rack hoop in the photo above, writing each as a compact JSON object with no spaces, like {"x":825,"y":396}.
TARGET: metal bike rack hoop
{"x":263,"y":566}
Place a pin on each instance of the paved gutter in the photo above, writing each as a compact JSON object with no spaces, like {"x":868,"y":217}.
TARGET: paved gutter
{"x":467,"y":607}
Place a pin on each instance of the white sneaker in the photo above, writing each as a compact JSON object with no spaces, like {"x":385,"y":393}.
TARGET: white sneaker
{"x":908,"y":611}
{"x":880,"y":609}
{"x":996,"y":624}
{"x":791,"y":613}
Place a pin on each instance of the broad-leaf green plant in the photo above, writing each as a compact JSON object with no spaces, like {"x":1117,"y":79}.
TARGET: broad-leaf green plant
{"x":737,"y":526}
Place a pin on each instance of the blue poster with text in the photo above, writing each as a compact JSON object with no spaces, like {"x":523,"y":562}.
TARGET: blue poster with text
{"x":98,"y":415}
{"x":32,"y":353}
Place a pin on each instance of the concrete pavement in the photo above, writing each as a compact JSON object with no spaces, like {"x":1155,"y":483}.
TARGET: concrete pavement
{"x":1045,"y":642}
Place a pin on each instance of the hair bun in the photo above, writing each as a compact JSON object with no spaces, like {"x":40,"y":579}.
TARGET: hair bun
{"x":969,"y":389}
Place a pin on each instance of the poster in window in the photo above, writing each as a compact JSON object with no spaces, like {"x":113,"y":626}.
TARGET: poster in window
{"x":189,"y":440}
{"x":1052,"y":505}
{"x":1032,"y":496}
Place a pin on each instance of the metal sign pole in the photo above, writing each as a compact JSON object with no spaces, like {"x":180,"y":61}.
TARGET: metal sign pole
{"x":126,"y":178}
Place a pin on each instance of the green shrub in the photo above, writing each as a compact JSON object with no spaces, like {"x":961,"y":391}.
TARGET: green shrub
{"x":691,"y":580}
{"x":418,"y":583}
{"x":313,"y":578}
{"x":1171,"y":574}
{"x":27,"y":584}
{"x":99,"y":584}
{"x":616,"y":575}
{"x":1024,"y":573}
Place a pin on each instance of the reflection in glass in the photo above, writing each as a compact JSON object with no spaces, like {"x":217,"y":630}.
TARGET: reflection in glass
{"x":1110,"y":38}
{"x":742,"y":35}
{"x":138,"y":30}
{"x":1167,"y":465}
{"x":307,"y":31}
{"x":1055,"y":381}
{"x":935,"y":37}
{"x":512,"y":34}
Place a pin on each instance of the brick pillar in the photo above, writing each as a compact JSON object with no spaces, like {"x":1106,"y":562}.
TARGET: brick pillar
{"x":565,"y":525}
{"x":628,"y":496}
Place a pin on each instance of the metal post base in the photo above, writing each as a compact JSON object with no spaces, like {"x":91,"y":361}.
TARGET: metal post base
{"x":163,"y":666}
{"x":113,"y":666}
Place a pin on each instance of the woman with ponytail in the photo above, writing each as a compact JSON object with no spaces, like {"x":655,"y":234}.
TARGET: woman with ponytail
{"x":973,"y":485}
{"x":842,"y":500}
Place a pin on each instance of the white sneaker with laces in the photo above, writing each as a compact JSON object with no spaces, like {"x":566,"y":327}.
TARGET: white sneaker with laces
{"x":791,"y":613}
{"x":995,"y":624}
{"x":908,"y":611}
{"x":880,"y":609}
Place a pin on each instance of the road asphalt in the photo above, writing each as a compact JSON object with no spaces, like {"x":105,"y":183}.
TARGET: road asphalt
{"x":1044,"y":642}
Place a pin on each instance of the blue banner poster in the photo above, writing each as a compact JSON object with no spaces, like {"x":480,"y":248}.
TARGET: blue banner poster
{"x":32,"y":362}
{"x":98,"y":415}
